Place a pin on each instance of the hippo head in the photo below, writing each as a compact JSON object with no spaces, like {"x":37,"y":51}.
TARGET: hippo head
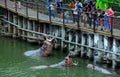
{"x":47,"y":46}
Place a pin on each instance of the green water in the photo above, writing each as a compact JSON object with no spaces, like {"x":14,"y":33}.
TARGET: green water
{"x":14,"y":64}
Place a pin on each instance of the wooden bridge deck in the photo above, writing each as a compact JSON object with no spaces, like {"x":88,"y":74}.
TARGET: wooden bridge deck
{"x":32,"y":15}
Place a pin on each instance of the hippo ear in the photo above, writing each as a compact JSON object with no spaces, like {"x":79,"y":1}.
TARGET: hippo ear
{"x":45,"y":36}
{"x":53,"y":40}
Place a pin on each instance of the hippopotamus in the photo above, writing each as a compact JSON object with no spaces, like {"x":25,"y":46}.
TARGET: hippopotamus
{"x":100,"y":69}
{"x":45,"y":50}
{"x":67,"y":62}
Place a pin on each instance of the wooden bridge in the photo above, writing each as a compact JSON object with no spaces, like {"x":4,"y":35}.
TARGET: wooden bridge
{"x":30,"y":21}
{"x":33,"y":13}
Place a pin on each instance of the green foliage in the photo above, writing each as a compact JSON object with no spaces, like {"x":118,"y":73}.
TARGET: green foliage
{"x":105,"y":4}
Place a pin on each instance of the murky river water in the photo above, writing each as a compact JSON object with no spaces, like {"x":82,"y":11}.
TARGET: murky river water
{"x":14,"y":64}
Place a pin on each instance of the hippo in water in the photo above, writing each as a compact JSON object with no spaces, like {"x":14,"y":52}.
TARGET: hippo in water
{"x":102,"y":70}
{"x":67,"y":62}
{"x":45,"y":50}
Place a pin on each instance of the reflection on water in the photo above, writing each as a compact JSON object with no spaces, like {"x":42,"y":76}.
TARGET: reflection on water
{"x":13,"y":63}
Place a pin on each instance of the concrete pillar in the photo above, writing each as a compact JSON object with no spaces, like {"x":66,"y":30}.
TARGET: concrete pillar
{"x":19,"y":25}
{"x":100,"y":46}
{"x":24,"y":27}
{"x":19,"y":22}
{"x":96,"y":40}
{"x":44,"y":28}
{"x":113,"y":55}
{"x":76,"y":40}
{"x":10,"y":28}
{"x":34,"y":35}
{"x":51,"y":30}
{"x":31,"y":27}
{"x":106,"y":55}
{"x":70,"y":40}
{"x":8,"y":15}
{"x":83,"y":43}
{"x":105,"y":42}
{"x":56,"y":32}
{"x":40,"y":26}
{"x":90,"y":43}
{"x":14,"y":27}
{"x":28,"y":27}
{"x":63,"y":36}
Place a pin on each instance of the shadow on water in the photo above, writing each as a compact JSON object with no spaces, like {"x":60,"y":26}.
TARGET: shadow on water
{"x":14,"y":64}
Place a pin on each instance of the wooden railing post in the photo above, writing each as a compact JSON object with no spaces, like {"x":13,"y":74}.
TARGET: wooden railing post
{"x":63,"y":16}
{"x":15,"y":5}
{"x":5,"y":3}
{"x":49,"y":12}
{"x":26,"y":9}
{"x":37,"y":11}
{"x":112,"y":25}
{"x":94,"y":18}
{"x":78,"y":19}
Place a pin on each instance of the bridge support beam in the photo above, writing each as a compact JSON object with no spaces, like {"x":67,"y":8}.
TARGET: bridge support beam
{"x":95,"y":54}
{"x":113,"y":55}
{"x":90,"y":44}
{"x":15,"y":31}
{"x":76,"y":41}
{"x":83,"y":43}
{"x":63,"y":37}
{"x":70,"y":40}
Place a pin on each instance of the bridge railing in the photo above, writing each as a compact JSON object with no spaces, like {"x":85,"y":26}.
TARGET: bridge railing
{"x":68,"y":17}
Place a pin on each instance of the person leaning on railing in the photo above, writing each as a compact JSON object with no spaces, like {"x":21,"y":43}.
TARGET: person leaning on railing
{"x":72,"y":7}
{"x":52,"y":8}
{"x":108,"y":19}
{"x":59,"y":5}
{"x":110,"y":14}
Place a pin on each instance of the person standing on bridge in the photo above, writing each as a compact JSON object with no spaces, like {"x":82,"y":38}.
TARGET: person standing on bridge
{"x":72,"y":7}
{"x":59,"y":4}
{"x":108,"y":19}
{"x":49,"y":2}
{"x":52,"y":8}
{"x":110,"y":14}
